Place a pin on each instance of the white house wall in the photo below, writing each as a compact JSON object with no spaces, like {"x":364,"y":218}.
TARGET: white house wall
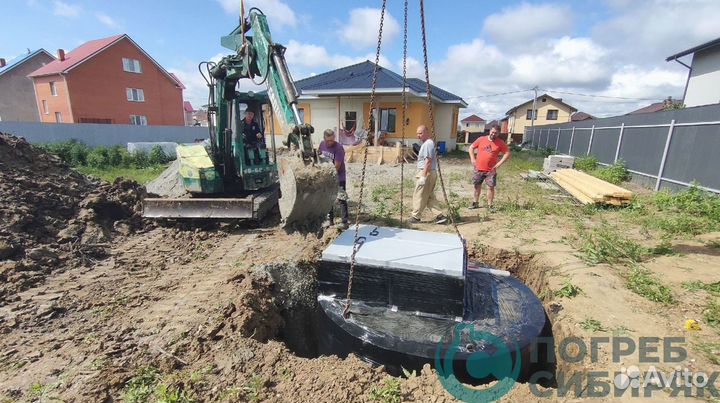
{"x":704,"y":84}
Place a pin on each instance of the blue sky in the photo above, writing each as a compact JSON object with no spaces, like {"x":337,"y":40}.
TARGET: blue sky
{"x":612,"y":48}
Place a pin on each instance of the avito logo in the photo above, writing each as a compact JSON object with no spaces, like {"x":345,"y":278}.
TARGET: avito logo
{"x":486,"y":356}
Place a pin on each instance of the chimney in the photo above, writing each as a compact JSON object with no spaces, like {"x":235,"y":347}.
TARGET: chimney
{"x":61,"y":55}
{"x":2,"y":63}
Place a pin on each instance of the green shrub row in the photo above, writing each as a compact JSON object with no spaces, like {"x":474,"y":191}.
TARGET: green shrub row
{"x":77,"y":154}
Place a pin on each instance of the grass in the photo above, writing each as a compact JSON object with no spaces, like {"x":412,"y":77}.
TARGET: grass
{"x":389,"y":392}
{"x":148,"y":384}
{"x":254,"y":388}
{"x":592,"y":325}
{"x":691,"y":211}
{"x":641,"y":282}
{"x":568,"y":290}
{"x":711,"y":351}
{"x":603,"y":244}
{"x":712,"y":288}
{"x":711,"y":314}
{"x":139,"y":175}
{"x":141,"y":387}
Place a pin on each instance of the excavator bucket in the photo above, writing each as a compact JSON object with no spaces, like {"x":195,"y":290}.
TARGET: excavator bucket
{"x":307,"y":191}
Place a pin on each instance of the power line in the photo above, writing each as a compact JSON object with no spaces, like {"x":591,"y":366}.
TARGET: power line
{"x":599,"y":96}
{"x":498,"y":94}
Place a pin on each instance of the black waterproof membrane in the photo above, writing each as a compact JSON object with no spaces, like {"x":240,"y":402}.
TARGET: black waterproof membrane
{"x":499,"y":306}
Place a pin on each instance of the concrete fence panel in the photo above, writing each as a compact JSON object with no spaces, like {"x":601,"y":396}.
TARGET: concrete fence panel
{"x":102,"y":135}
{"x":667,"y":149}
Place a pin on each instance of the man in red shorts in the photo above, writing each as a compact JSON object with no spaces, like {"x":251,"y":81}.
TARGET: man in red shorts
{"x":486,"y":163}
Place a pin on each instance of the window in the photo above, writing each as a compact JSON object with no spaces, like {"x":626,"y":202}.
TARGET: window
{"x":552,"y":114}
{"x":529,"y":114}
{"x":58,"y":117}
{"x":138,"y":120}
{"x":45,"y":107}
{"x":301,"y":112}
{"x":135,"y":94}
{"x":131,"y":65}
{"x":350,"y":121}
{"x":95,"y":120}
{"x":387,"y":120}
{"x":53,"y":89}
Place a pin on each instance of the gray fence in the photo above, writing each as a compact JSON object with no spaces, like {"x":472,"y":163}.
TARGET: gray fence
{"x":668,"y":149}
{"x":102,"y":135}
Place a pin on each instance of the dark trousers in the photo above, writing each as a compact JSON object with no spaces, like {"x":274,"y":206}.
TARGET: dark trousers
{"x":343,"y":207}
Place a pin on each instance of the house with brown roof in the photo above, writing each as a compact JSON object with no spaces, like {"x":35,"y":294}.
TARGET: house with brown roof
{"x":548,"y":110}
{"x":473,"y":124}
{"x":110,"y":80}
{"x":17,"y":97}
{"x":657,"y":106}
{"x":580,"y":116}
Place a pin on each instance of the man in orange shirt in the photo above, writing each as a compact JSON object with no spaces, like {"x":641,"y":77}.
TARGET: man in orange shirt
{"x":486,"y":163}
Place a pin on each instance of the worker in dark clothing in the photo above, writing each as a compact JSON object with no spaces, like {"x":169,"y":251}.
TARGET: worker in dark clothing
{"x":253,"y":136}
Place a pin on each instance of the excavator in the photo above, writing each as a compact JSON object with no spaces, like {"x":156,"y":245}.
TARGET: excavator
{"x":231,"y":177}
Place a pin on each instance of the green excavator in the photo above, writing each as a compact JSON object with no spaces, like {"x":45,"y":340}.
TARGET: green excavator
{"x":232,"y":177}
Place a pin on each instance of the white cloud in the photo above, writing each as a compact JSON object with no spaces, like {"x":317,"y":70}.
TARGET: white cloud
{"x":522,"y":25}
{"x":305,"y":55}
{"x":636,"y":82}
{"x":279,"y":14}
{"x":361,"y":30}
{"x":107,"y":21}
{"x":658,"y":29}
{"x":570,"y":61}
{"x":65,"y":9}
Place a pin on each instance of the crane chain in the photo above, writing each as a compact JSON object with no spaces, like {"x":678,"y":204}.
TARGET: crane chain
{"x":404,"y":114}
{"x":346,"y":311}
{"x":432,"y":118}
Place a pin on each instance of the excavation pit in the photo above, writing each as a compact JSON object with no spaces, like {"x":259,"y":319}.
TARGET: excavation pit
{"x":478,"y":320}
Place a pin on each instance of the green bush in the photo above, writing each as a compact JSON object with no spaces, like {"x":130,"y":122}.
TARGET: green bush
{"x":586,"y":164}
{"x":158,"y":156}
{"x":116,"y":155}
{"x":615,"y":173}
{"x":98,"y":158}
{"x":140,"y":159}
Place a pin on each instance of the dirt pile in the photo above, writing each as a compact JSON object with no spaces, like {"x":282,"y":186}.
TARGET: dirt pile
{"x":168,"y":184}
{"x":49,"y":214}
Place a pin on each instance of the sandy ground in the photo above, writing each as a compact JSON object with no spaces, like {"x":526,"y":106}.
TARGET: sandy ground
{"x":195,"y":302}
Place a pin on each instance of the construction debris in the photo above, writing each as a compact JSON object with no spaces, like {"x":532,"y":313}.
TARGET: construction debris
{"x":380,"y":154}
{"x":554,"y":162}
{"x":588,"y":189}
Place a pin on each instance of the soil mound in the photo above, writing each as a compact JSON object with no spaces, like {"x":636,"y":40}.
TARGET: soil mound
{"x":50,"y":213}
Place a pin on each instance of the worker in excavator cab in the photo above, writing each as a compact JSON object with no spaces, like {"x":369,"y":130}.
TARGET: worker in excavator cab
{"x":253,"y":137}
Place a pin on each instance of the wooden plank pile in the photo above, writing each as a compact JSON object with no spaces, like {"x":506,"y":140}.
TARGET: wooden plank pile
{"x":588,"y":189}
{"x":380,"y":154}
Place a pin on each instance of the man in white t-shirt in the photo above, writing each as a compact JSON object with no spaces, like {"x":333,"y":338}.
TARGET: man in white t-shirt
{"x":424,"y":195}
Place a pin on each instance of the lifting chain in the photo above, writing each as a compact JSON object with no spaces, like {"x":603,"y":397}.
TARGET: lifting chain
{"x":404,"y":114}
{"x":432,"y":119}
{"x":346,"y":311}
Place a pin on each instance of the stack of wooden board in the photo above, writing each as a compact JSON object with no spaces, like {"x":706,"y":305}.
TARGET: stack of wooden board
{"x":588,"y":189}
{"x":554,"y":162}
{"x":380,"y":154}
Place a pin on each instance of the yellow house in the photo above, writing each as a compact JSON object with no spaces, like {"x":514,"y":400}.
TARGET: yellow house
{"x":340,"y":100}
{"x":549,"y":110}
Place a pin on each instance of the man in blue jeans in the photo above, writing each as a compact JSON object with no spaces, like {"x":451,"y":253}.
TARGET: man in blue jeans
{"x":334,"y":152}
